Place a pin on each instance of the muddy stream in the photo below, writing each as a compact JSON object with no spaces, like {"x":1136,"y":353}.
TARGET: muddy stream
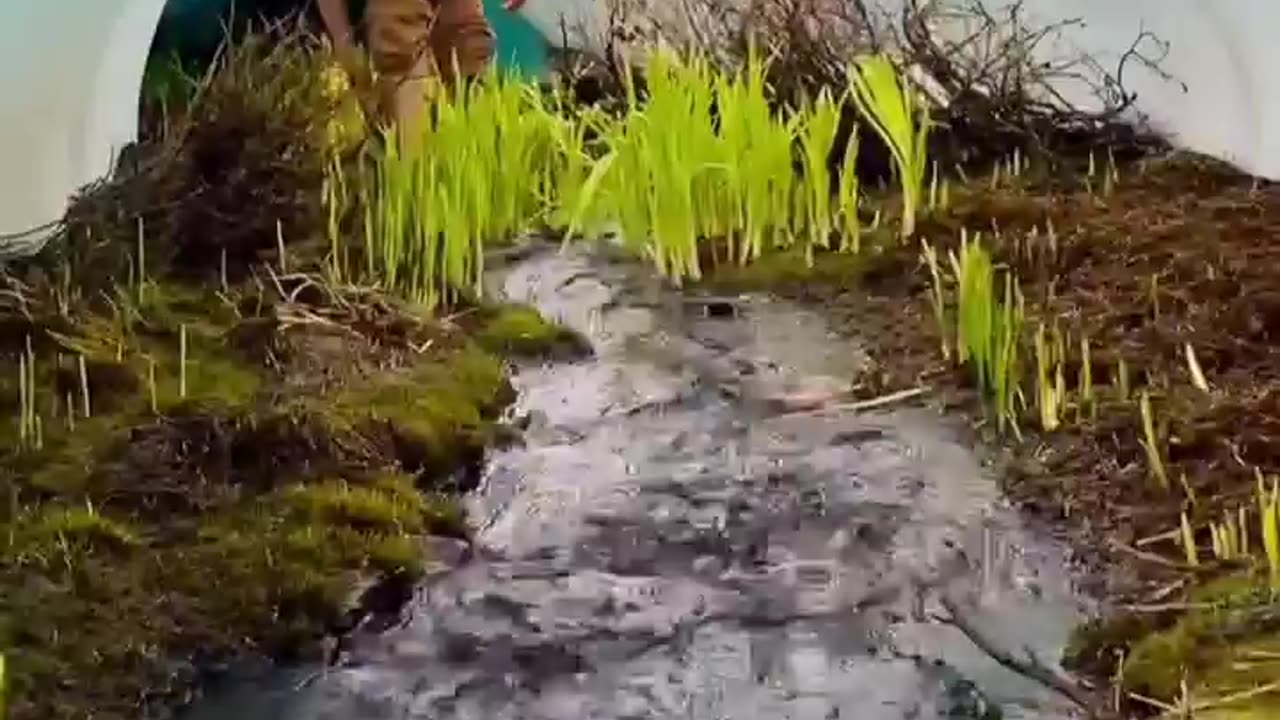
{"x":679,"y":537}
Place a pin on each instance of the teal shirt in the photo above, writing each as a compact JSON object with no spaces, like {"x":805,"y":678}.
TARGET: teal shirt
{"x":193,"y":29}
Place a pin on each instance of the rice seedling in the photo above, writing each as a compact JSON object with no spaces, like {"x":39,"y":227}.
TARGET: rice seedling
{"x":847,"y":203}
{"x":152,"y":393}
{"x":813,"y":199}
{"x":1087,"y":402}
{"x":182,"y":361}
{"x":430,"y":206}
{"x":1187,"y":539}
{"x":1269,"y":522}
{"x":680,"y":96}
{"x":1150,"y":442}
{"x":1059,"y":363}
{"x":86,"y":406}
{"x":901,"y":119}
{"x":1230,"y":538}
{"x":337,"y":203}
{"x":937,"y":298}
{"x":141,"y":260}
{"x":1048,"y":396}
{"x":756,"y":161}
{"x":1193,"y":366}
{"x":988,"y":326}
{"x":1112,"y":176}
{"x":705,"y":159}
{"x":26,"y":398}
{"x":933,"y":187}
{"x":568,"y":185}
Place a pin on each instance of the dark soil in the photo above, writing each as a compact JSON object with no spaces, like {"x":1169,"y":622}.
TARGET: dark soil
{"x":1180,"y":251}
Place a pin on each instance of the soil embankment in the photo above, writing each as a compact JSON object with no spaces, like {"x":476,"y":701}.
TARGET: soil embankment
{"x":1177,"y":253}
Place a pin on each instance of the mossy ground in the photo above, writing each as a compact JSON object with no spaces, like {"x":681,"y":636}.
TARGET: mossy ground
{"x":229,"y":507}
{"x":1179,"y":251}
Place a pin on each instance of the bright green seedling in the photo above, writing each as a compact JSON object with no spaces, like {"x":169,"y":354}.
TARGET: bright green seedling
{"x":1048,"y":386}
{"x":847,"y":203}
{"x":479,"y":175}
{"x":1188,"y":540}
{"x":937,"y":298}
{"x":1230,"y":537}
{"x":1087,"y":405}
{"x":817,"y":135}
{"x":1269,"y":521}
{"x":1150,"y":442}
{"x":901,"y":118}
{"x":988,"y":325}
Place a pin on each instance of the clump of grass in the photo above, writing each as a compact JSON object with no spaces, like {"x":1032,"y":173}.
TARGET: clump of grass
{"x":989,"y":314}
{"x":817,"y":134}
{"x":1087,"y":405}
{"x":677,"y":179}
{"x":701,"y":163}
{"x":901,"y":119}
{"x":82,"y":524}
{"x":1230,"y":537}
{"x":430,"y":206}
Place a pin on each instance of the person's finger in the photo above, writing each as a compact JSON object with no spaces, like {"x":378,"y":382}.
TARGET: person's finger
{"x":513,"y":5}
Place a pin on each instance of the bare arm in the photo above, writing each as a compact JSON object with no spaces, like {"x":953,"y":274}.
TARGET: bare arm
{"x":337,"y":22}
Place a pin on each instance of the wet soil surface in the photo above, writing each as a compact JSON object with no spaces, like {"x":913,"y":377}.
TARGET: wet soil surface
{"x":697,"y":525}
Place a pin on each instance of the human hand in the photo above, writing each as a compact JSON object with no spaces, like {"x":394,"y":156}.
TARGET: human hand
{"x":352,"y":61}
{"x":348,"y":56}
{"x":513,"y":5}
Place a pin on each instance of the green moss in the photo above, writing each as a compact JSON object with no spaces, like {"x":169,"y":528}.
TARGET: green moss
{"x":125,"y":518}
{"x":76,"y":525}
{"x":391,"y":504}
{"x":65,"y":463}
{"x":434,"y":412}
{"x":778,"y":269}
{"x":1228,"y":642}
{"x":519,"y":331}
{"x":213,"y":376}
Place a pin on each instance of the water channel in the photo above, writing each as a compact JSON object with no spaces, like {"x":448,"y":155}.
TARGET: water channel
{"x":695,"y":526}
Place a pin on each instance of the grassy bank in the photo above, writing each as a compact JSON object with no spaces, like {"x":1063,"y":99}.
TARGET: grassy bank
{"x":214,"y":439}
{"x":1143,"y":392}
{"x":193,"y":473}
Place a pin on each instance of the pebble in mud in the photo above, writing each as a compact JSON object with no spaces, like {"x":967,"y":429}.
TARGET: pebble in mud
{"x":705,"y":557}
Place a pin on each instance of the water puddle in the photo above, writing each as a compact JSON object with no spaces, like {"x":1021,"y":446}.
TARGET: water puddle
{"x":690,"y":530}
